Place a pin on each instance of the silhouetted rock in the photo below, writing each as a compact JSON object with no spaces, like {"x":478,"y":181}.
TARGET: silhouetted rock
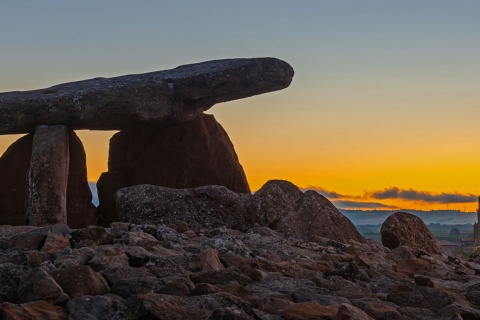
{"x":403,"y":228}
{"x":80,"y":210}
{"x":188,"y":155}
{"x":14,"y":164}
{"x":162,"y":97}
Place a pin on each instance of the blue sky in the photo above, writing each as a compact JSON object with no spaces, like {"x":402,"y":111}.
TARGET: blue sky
{"x":385,"y":93}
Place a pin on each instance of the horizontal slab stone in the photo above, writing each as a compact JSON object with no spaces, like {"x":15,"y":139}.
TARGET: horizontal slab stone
{"x":156,"y":98}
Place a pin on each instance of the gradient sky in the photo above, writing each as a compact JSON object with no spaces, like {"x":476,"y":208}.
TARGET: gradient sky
{"x":385,"y":95}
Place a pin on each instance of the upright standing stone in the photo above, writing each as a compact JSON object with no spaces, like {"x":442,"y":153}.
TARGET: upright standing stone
{"x":14,"y":164}
{"x":188,"y":155}
{"x":47,"y":178}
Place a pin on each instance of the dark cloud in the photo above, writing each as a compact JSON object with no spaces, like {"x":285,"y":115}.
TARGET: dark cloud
{"x":345,"y":204}
{"x":393,"y":193}
{"x":331,"y":195}
{"x":425,"y":196}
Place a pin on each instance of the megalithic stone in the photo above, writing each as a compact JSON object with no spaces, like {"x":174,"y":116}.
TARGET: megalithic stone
{"x":158,"y":98}
{"x":47,"y":178}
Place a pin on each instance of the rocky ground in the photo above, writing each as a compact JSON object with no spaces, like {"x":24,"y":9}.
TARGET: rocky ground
{"x":131,"y":271}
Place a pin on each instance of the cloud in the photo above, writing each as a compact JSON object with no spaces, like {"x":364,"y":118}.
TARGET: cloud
{"x":331,"y":195}
{"x":345,"y":204}
{"x":425,"y":196}
{"x":394,"y":193}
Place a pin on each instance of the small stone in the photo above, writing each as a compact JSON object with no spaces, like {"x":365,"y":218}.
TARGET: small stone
{"x":80,"y":281}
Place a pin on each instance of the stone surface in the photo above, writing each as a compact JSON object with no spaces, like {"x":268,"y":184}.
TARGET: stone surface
{"x":80,"y":281}
{"x":191,"y":154}
{"x":154,"y":98}
{"x":38,"y":310}
{"x":203,"y":207}
{"x":97,"y":308}
{"x":39,"y":285}
{"x":14,"y":165}
{"x":155,"y":272}
{"x":46,"y":195}
{"x":314,"y":216}
{"x":306,"y":216}
{"x":309,"y":310}
{"x":403,"y":228}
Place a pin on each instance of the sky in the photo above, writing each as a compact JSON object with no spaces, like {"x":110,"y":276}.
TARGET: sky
{"x":382,"y":111}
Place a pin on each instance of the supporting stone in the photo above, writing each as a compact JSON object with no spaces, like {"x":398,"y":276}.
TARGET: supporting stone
{"x":188,"y":155}
{"x":47,"y":178}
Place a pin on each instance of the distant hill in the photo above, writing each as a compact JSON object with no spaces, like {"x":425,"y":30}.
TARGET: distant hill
{"x":375,"y":217}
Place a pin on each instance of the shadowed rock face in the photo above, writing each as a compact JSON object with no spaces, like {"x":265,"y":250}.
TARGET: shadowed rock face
{"x":406,"y":229}
{"x":156,"y":98}
{"x":14,"y":165}
{"x":188,"y":155}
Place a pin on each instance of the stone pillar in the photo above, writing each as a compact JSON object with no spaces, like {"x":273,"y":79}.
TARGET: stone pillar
{"x":47,"y":178}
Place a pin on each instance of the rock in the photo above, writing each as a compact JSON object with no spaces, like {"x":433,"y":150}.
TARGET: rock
{"x":92,"y":235}
{"x":303,"y":215}
{"x":127,"y":281}
{"x":162,"y":97}
{"x":273,"y":200}
{"x":309,"y":310}
{"x":203,"y":207}
{"x":38,"y":310}
{"x":109,"y":257}
{"x":39,"y":285}
{"x":403,"y":228}
{"x":80,"y":281}
{"x":188,"y":155}
{"x":349,"y":312}
{"x":80,"y":210}
{"x":46,"y":195}
{"x":97,"y":308}
{"x":316,"y":216}
{"x":14,"y":165}
{"x":209,"y":260}
{"x":378,"y":310}
{"x":160,"y":306}
{"x":54,"y":243}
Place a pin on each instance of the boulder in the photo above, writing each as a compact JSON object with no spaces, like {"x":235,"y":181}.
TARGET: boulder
{"x":14,"y":165}
{"x":403,"y":228}
{"x":47,"y":177}
{"x":80,"y":281}
{"x":162,"y":97}
{"x":279,"y":204}
{"x":203,"y":207}
{"x":316,"y":216}
{"x":97,"y":307}
{"x":188,"y":155}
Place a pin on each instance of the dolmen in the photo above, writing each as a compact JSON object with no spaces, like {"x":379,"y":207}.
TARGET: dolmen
{"x":165,"y":138}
